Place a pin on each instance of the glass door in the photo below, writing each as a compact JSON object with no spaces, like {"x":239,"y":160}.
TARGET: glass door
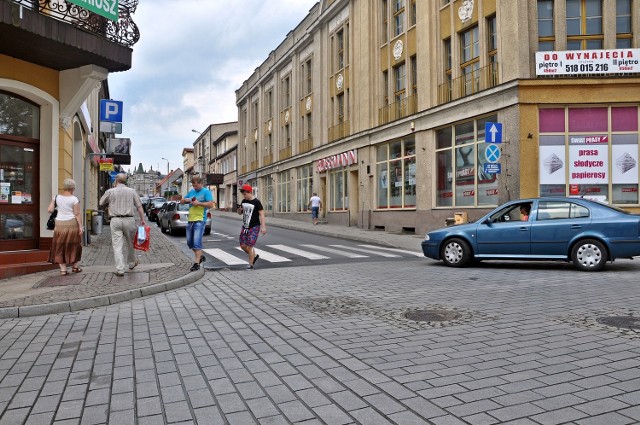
{"x":19,"y":218}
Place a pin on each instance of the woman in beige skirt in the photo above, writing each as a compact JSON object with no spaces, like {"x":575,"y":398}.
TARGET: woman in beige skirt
{"x":66,"y":247}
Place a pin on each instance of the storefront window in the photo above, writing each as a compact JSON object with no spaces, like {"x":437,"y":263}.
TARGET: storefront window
{"x":267,"y":201}
{"x":460,"y":161}
{"x":17,"y":191}
{"x":284,"y":192}
{"x":396,"y":170}
{"x":339,"y":200}
{"x":19,"y":117}
{"x":597,"y":157}
{"x":304,"y":187}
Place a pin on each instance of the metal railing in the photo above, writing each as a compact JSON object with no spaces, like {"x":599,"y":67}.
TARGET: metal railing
{"x":471,"y":83}
{"x":255,"y":165}
{"x":243,"y":169}
{"x":400,"y":109}
{"x":305,"y":145}
{"x":124,"y":32}
{"x":285,"y":153}
{"x":339,"y":131}
{"x":267,"y":160}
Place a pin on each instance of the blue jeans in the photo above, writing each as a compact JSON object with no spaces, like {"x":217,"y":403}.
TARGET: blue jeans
{"x":195,"y":230}
{"x":314,"y":212}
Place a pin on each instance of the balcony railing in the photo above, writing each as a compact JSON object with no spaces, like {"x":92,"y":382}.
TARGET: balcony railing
{"x":267,"y":160}
{"x":124,"y":32}
{"x":305,"y":145}
{"x":285,"y":153}
{"x":255,"y":165}
{"x":339,"y":131}
{"x":474,"y":82}
{"x":243,"y":169}
{"x":395,"y":111}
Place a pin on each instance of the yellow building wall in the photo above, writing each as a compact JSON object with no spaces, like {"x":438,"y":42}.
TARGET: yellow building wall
{"x":536,"y":93}
{"x":45,"y":79}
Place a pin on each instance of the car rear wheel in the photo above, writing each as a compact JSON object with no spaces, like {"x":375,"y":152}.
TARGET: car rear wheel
{"x":170,"y":229}
{"x":589,"y":255}
{"x":455,"y":253}
{"x":207,"y":231}
{"x":162,"y":229}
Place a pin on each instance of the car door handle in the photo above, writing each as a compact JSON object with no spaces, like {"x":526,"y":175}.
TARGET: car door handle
{"x":524,"y":229}
{"x":576,"y":226}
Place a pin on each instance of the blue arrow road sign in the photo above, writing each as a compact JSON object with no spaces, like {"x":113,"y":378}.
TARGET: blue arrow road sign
{"x":492,"y":168}
{"x":492,"y":153}
{"x":110,"y":110}
{"x":493,"y":132}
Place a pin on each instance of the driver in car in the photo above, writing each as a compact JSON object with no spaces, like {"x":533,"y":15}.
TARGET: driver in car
{"x":525,"y":210}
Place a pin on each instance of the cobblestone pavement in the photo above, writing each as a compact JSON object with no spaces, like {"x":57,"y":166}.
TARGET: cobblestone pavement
{"x":522,"y":344}
{"x":162,"y":263}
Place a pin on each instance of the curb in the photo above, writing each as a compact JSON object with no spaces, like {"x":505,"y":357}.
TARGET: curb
{"x":99,"y":301}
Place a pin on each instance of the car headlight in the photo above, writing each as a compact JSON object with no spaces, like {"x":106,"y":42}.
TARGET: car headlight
{"x":426,"y":238}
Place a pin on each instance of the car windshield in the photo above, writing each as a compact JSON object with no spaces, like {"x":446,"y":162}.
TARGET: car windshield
{"x":158,"y":204}
{"x":183,"y":207}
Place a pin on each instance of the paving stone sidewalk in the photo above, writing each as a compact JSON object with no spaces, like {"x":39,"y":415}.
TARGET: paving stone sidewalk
{"x":162,"y":263}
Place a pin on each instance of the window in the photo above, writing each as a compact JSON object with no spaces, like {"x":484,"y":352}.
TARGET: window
{"x":305,"y":179}
{"x":470,"y":60}
{"x":590,"y":151}
{"x":309,"y":77}
{"x":493,"y":40}
{"x":414,"y":75}
{"x":546,"y":39}
{"x":286,"y":91}
{"x":460,"y":159}
{"x":396,"y":171}
{"x":624,"y":37}
{"x":340,"y":50}
{"x":267,"y":203}
{"x":270,"y":104}
{"x":412,"y":13}
{"x":385,"y":22}
{"x":338,"y":198}
{"x":548,"y":210}
{"x":447,"y":68}
{"x":399,"y":88}
{"x":340,"y":99}
{"x":309,"y":126}
{"x":584,"y":24}
{"x":385,"y":88}
{"x":287,"y":136}
{"x":398,"y":17}
{"x":284,"y":191}
{"x":19,"y":117}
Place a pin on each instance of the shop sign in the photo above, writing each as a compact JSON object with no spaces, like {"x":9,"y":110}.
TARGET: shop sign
{"x":336,"y":161}
{"x":106,"y":8}
{"x":589,"y":62}
{"x":589,"y":160}
{"x":106,"y":164}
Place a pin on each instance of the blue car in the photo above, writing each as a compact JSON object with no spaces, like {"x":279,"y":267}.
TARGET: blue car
{"x":586,"y":232}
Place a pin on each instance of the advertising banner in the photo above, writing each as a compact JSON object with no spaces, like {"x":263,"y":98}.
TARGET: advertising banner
{"x":587,"y":62}
{"x":625,"y":164}
{"x":588,"y":159}
{"x":106,"y":8}
{"x":552,"y":165}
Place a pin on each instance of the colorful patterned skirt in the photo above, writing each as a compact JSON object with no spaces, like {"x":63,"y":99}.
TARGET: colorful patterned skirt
{"x":66,"y":247}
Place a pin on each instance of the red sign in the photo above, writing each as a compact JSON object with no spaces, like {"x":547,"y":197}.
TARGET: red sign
{"x":336,"y":161}
{"x":574,"y":189}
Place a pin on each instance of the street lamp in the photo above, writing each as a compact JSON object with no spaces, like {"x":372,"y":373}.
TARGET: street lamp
{"x":196,"y":131}
{"x":167,"y":165}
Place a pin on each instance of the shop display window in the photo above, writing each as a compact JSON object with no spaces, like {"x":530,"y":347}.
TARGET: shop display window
{"x":396,"y":172}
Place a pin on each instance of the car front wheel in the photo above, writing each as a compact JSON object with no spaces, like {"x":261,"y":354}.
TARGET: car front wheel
{"x":589,"y":255}
{"x":455,"y":253}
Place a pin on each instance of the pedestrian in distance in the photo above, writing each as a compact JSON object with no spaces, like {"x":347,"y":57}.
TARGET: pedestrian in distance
{"x":199,"y":199}
{"x":123,"y":202}
{"x":253,"y":223}
{"x":316,"y":205}
{"x":66,"y":247}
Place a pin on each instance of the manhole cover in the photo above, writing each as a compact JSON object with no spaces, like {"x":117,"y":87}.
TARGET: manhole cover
{"x":431,"y":315}
{"x":622,"y":322}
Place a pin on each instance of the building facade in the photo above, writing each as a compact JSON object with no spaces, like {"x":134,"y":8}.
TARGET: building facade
{"x":224,"y":167}
{"x":381,"y":107}
{"x":49,"y":91}
{"x":144,"y":182}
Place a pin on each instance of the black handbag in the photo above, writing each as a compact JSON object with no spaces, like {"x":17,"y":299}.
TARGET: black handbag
{"x":51,"y":223}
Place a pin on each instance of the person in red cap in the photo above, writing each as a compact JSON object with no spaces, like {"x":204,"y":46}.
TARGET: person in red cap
{"x":253,"y":222}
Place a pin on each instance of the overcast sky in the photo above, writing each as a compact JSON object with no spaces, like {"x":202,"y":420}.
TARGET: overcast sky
{"x":191,"y":58}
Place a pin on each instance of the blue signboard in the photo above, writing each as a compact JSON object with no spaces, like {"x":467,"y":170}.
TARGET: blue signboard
{"x":493,"y":132}
{"x":492,"y":153}
{"x":490,"y":168}
{"x":110,"y":110}
{"x":112,"y":176}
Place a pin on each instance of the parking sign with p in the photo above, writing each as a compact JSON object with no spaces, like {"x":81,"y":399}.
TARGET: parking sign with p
{"x":110,"y":110}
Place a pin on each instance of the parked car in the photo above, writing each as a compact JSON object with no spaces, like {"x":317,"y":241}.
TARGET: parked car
{"x":586,"y":232}
{"x":149,"y":203}
{"x":175,"y":218}
{"x":154,"y":208}
{"x":144,"y":200}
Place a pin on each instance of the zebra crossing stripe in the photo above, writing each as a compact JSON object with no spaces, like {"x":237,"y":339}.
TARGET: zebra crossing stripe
{"x":299,"y":252}
{"x":268,"y":256}
{"x":336,"y":251}
{"x":401,"y":251}
{"x":367,"y":251}
{"x":225,"y":257}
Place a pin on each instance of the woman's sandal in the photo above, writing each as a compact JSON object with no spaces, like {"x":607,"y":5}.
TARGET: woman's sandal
{"x":76,"y":269}
{"x":64,"y":273}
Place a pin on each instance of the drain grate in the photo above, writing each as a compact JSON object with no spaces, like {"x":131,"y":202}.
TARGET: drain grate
{"x":431,"y":315}
{"x":621,"y":322}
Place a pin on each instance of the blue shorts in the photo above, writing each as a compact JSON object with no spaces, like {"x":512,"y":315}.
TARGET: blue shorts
{"x":249,"y":237}
{"x":195,"y":230}
{"x":314,"y":212}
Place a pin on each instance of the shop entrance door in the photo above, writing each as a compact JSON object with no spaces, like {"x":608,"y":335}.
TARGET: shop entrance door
{"x":19,"y":194}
